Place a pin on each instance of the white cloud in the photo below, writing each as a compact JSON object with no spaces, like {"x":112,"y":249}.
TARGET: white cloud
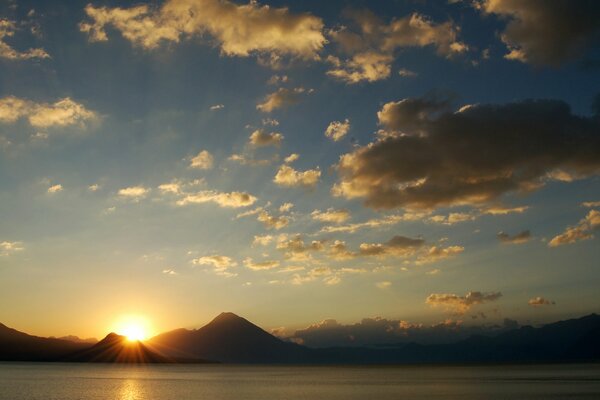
{"x":217,"y":107}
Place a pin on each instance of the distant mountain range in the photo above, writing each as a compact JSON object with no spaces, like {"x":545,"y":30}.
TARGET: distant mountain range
{"x":231,"y":339}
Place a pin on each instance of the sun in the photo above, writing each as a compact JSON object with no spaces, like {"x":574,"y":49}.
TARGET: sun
{"x":134,"y":332}
{"x":134,"y":328}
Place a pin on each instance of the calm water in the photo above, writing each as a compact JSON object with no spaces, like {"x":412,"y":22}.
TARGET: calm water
{"x":84,"y":381}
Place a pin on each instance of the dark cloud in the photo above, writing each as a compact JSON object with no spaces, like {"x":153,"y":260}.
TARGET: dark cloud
{"x":521,"y":237}
{"x":547,"y":32}
{"x":426,"y":157}
{"x":378,"y":330}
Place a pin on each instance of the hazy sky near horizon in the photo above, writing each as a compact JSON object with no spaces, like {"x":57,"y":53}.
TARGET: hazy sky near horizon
{"x":294,"y":162}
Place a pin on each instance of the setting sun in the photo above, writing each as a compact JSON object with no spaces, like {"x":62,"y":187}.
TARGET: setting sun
{"x":133,"y":327}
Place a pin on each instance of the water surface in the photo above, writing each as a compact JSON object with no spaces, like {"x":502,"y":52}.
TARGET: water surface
{"x":54,"y":381}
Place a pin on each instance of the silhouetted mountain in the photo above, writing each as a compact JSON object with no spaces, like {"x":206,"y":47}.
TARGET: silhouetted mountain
{"x":117,"y":349}
{"x":231,"y":339}
{"x":19,"y":346}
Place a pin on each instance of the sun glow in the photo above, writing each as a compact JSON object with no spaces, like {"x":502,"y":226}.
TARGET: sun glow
{"x":134,"y":328}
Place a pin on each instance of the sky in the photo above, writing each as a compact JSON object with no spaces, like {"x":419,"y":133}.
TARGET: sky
{"x":311,"y":166}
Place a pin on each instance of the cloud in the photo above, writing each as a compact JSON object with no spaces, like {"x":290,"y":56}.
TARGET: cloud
{"x":285,"y":207}
{"x":7,"y":30}
{"x":378,"y":331}
{"x":94,"y":187}
{"x":288,"y":176}
{"x":272,"y":221}
{"x":7,"y":248}
{"x":291,"y":158}
{"x":590,"y":204}
{"x":263,"y":240}
{"x":519,"y":238}
{"x":374,"y":223}
{"x":243,"y":160}
{"x":452,"y":218}
{"x":429,"y":157}
{"x":337,"y":130}
{"x":397,"y":246}
{"x":540,"y":301}
{"x":282,"y":98}
{"x":369,"y":66}
{"x":331,"y":215}
{"x":220,"y":264}
{"x":461,"y":304}
{"x":259,"y":138}
{"x":371,"y":43}
{"x":170,"y":272}
{"x":223,"y":199}
{"x":407,"y":73}
{"x":62,"y":113}
{"x":203,"y":160}
{"x":134,"y":193}
{"x":547,"y":33}
{"x":296,"y":245}
{"x":260,"y":266}
{"x":384,"y":284}
{"x":55,"y":189}
{"x":217,"y":107}
{"x":436,"y":253}
{"x":238,"y":29}
{"x":582,"y":231}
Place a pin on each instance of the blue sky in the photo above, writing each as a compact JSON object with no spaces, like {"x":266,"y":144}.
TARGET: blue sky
{"x":119,"y":194}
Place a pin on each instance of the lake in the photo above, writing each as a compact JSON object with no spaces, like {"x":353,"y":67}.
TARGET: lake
{"x":55,"y":381}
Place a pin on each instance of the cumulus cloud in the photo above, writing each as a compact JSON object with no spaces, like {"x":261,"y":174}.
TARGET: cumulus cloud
{"x":291,"y":158}
{"x":383,"y":284}
{"x":203,"y":160}
{"x":296,"y":245}
{"x":371,"y":43}
{"x":220,"y":264}
{"x":244,"y":160}
{"x":285,"y":207}
{"x":134,"y":193}
{"x":64,"y":112}
{"x":282,"y":98}
{"x":397,"y":246}
{"x":429,"y":157}
{"x":272,"y":221}
{"x":223,"y":199}
{"x":548,"y":33}
{"x":217,"y":107}
{"x":461,"y":304}
{"x":7,"y":30}
{"x":519,"y":238}
{"x":331,"y":215}
{"x":288,"y":176}
{"x":591,"y":204}
{"x":238,"y":29}
{"x":540,"y":301}
{"x":337,"y":130}
{"x":260,"y":266}
{"x":259,"y":138}
{"x":582,"y":231}
{"x":7,"y":247}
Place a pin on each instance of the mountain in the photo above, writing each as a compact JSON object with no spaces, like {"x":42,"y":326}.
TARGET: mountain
{"x":117,"y":349}
{"x":19,"y":346}
{"x":231,"y":339}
